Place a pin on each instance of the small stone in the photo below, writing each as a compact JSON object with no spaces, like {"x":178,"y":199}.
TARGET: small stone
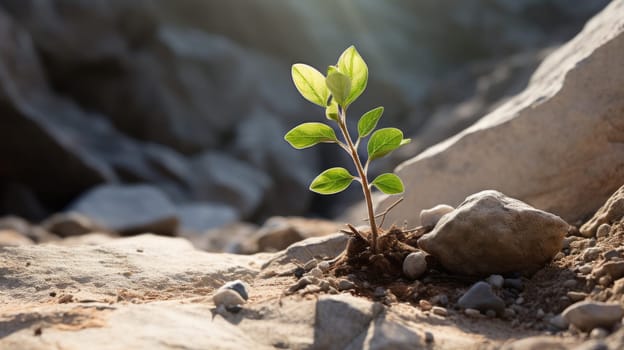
{"x":495,"y":281}
{"x":425,"y":305}
{"x":324,"y":285}
{"x":519,"y":301}
{"x":310,"y":265}
{"x":591,"y":254}
{"x":598,"y":333}
{"x":603,"y":230}
{"x":315,"y":272}
{"x":569,"y":283}
{"x":227,"y":297}
{"x":491,"y":313}
{"x":415,"y":265}
{"x":237,"y":286}
{"x":345,"y":285}
{"x":472,"y":313}
{"x":613,"y":269}
{"x":430,"y":217}
{"x":515,"y":283}
{"x":440,"y":299}
{"x":540,"y":314}
{"x":559,"y":256}
{"x":302,"y":283}
{"x":612,"y":254}
{"x":429,"y":337}
{"x":605,"y":280}
{"x":587,"y":315}
{"x":576,"y":296}
{"x":481,"y":297}
{"x":323,"y":266}
{"x":585,"y":269}
{"x":379,"y":292}
{"x":558,"y":322}
{"x":440,"y":311}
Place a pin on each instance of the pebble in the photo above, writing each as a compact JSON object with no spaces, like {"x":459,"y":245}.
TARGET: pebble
{"x":302,"y":283}
{"x":238,"y":286}
{"x":559,"y":322}
{"x":323,"y":266}
{"x":613,"y":269}
{"x":519,"y":301}
{"x":509,"y":313}
{"x":345,"y":285}
{"x":495,"y":281}
{"x":481,"y":297}
{"x":603,"y":230}
{"x":379,"y":292}
{"x":415,"y":265}
{"x":515,"y":283}
{"x":430,"y":217}
{"x":612,"y":254}
{"x":598,"y":333}
{"x":587,"y":315}
{"x":324,"y":285}
{"x":605,"y":280}
{"x":227,"y":298}
{"x":315,"y":272}
{"x":576,"y":296}
{"x":540,"y":314}
{"x":491,"y":313}
{"x":472,"y":313}
{"x":439,"y":310}
{"x":591,"y":254}
{"x":310,"y":265}
{"x":559,"y":256}
{"x":585,"y":269}
{"x":425,"y":305}
{"x":440,"y":299}
{"x":569,"y":283}
{"x":429,"y":337}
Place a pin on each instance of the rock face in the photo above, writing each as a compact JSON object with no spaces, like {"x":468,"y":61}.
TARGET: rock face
{"x":557,"y":145}
{"x":491,"y":233}
{"x":610,"y":213}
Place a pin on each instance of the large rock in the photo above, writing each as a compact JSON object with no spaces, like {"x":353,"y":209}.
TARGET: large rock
{"x":129,"y":209}
{"x":521,"y":149}
{"x":610,"y":213}
{"x":490,"y":233}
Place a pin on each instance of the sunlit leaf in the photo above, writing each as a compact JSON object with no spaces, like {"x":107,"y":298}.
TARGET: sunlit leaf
{"x":368,"y":121}
{"x":339,"y":86}
{"x":405,"y":142}
{"x":310,"y":83}
{"x":332,"y":181}
{"x":309,"y":134}
{"x":388,"y":183}
{"x":384,"y":141}
{"x":331,"y":112}
{"x":351,"y":64}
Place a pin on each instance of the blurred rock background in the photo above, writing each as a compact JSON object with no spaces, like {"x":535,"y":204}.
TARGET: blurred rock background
{"x":168,"y":116}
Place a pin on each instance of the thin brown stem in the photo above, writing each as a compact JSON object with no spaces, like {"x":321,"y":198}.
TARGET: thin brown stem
{"x":385,"y":212}
{"x":364,"y":181}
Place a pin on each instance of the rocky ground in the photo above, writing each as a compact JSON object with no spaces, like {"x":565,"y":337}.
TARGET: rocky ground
{"x":157,"y":292}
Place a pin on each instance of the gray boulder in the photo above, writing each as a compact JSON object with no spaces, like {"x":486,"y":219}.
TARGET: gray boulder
{"x":129,"y":209}
{"x":490,"y":233}
{"x":521,"y":148}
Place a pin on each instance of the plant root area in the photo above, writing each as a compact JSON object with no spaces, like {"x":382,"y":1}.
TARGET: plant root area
{"x":530,"y":301}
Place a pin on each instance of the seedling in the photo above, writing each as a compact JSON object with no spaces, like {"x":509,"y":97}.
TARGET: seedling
{"x":335,"y":92}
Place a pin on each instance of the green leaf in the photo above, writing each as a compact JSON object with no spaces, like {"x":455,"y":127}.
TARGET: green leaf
{"x":388,"y":183}
{"x":331,"y":112}
{"x":368,"y":121}
{"x":309,"y":134}
{"x":352,"y":65}
{"x":332,"y":181}
{"x":384,"y":141}
{"x":339,"y":85}
{"x":310,"y":83}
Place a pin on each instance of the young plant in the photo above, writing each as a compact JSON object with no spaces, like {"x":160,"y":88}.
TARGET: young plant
{"x":335,"y":92}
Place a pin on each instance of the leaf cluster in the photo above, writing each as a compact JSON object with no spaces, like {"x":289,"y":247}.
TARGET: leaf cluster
{"x":335,"y":92}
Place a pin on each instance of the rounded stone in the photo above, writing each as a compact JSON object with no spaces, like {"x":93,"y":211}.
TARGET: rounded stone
{"x":238,"y":286}
{"x":415,"y":265}
{"x":603,"y":230}
{"x":587,"y":315}
{"x":481,"y":297}
{"x":227,"y":298}
{"x":495,"y":281}
{"x":430,"y":217}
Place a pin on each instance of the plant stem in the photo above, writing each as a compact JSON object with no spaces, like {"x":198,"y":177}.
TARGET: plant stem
{"x":364,"y":181}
